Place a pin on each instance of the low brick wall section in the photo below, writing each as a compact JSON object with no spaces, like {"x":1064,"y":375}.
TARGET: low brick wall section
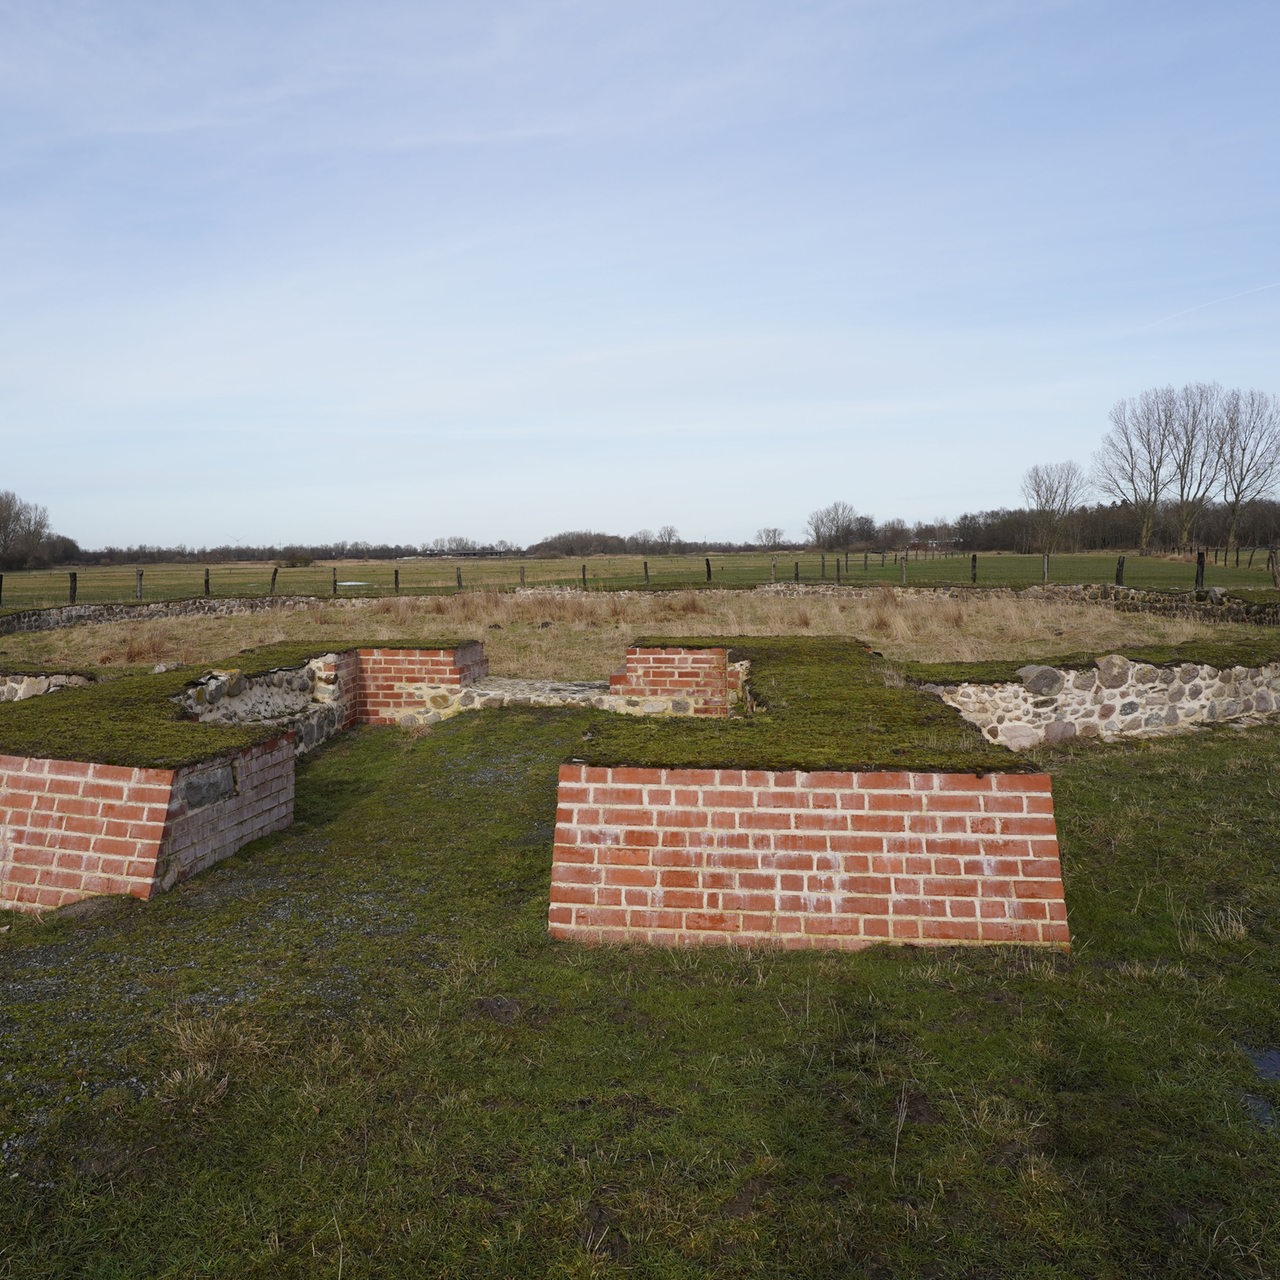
{"x":219,"y":806}
{"x":395,"y":682}
{"x":831,"y":859}
{"x":70,"y":829}
{"x":704,"y":678}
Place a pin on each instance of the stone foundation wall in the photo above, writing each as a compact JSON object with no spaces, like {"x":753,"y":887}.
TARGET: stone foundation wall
{"x":832,"y":859}
{"x":75,"y":615}
{"x":1113,"y":699}
{"x":315,"y":701}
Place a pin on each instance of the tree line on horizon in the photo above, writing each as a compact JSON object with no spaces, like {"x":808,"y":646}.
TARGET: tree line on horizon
{"x":1179,"y":468}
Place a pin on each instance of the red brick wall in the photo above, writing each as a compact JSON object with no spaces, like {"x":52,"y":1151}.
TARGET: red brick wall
{"x":391,"y":680}
{"x":701,"y":675}
{"x":677,"y":856}
{"x":68,"y":830}
{"x":342,"y":670}
{"x":199,"y":834}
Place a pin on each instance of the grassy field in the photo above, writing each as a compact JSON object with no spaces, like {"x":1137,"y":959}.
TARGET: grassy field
{"x":353,"y":1051}
{"x":418,"y":577}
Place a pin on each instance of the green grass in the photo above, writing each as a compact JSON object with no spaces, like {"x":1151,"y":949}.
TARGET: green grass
{"x":353,"y":1050}
{"x":117,"y":583}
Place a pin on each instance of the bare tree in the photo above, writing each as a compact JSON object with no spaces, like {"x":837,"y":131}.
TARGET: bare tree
{"x":891,"y":534}
{"x":1250,"y":444}
{"x":1195,"y":454}
{"x":24,"y":526}
{"x":769,"y":539}
{"x":1132,"y":465}
{"x":1053,"y":490}
{"x":668,"y":539}
{"x":832,"y":527}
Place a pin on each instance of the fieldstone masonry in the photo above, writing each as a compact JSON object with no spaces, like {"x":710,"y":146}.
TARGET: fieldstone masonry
{"x":1114,"y":698}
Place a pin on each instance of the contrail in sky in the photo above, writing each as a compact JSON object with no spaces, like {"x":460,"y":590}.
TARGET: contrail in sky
{"x":1213,"y":302}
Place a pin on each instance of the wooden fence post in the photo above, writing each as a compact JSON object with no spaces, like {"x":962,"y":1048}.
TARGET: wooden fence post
{"x":1199,"y":570}
{"x":708,"y":568}
{"x":71,"y":588}
{"x":646,"y":573}
{"x":584,"y":577}
{"x":903,"y":563}
{"x":1045,"y":574}
{"x":973,"y":567}
{"x":1120,"y":572}
{"x":864,"y":562}
{"x":837,"y":571}
{"x":271,"y":590}
{"x":137,"y":584}
{"x":335,"y":580}
{"x":822,"y":573}
{"x":1273,"y":566}
{"x":457,"y":576}
{"x":773,"y":570}
{"x":797,"y":573}
{"x":522,"y":575}
{"x":395,"y":578}
{"x":1,"y":588}
{"x":206,"y":582}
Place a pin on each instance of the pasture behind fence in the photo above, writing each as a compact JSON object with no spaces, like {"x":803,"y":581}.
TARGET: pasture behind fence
{"x":1251,"y":568}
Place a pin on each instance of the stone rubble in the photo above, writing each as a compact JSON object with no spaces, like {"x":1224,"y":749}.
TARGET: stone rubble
{"x":16,"y":688}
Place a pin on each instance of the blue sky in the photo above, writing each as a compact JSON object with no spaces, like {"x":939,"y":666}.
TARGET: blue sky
{"x":281,"y":272}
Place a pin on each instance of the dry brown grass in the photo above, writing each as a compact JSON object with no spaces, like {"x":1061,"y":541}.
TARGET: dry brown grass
{"x":582,"y":635}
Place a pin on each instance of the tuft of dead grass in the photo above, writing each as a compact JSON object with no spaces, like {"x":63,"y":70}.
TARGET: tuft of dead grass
{"x":558,"y":633}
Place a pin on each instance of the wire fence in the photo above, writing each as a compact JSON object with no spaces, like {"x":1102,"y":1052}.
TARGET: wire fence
{"x":113,"y":584}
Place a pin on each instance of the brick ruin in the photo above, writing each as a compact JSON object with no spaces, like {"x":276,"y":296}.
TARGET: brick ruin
{"x":668,"y":856}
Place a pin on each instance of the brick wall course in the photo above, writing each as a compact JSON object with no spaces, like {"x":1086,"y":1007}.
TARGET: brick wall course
{"x":830,"y":859}
{"x":704,"y":677}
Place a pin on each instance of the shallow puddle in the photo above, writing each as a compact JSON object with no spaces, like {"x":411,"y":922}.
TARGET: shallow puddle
{"x":1266,"y":1062}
